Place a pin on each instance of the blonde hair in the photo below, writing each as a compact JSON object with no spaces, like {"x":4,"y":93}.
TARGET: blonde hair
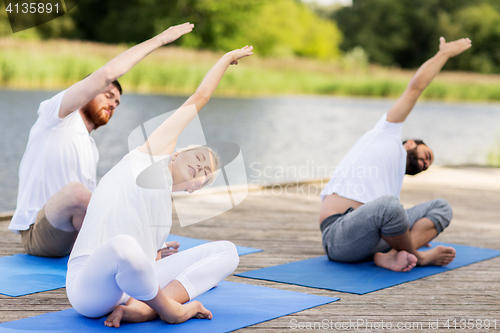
{"x":217,"y":161}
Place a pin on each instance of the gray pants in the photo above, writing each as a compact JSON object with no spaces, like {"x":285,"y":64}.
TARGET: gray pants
{"x":357,"y":234}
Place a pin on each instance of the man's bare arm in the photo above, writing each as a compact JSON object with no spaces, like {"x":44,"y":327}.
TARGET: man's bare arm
{"x":163,"y":140}
{"x":82,"y":92}
{"x":424,"y":76}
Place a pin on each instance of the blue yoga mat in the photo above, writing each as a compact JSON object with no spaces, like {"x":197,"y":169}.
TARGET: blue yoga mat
{"x":187,"y":243}
{"x":22,"y":274}
{"x":364,"y":277}
{"x":233,"y":306}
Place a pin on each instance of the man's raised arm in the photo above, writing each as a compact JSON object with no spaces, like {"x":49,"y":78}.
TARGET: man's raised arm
{"x":424,"y":76}
{"x":82,"y":92}
{"x":163,"y":140}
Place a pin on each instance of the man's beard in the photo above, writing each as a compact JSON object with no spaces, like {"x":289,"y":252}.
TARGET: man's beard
{"x":97,"y":116}
{"x":412,"y":165}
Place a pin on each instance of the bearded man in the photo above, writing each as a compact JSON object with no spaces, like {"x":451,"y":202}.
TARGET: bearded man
{"x":361,"y":217}
{"x":58,"y":170}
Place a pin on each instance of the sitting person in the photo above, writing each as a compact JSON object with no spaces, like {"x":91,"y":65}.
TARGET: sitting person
{"x":361,"y":216}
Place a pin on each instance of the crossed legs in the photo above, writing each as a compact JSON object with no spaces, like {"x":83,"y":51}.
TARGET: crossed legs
{"x":357,"y":235}
{"x":404,"y":255}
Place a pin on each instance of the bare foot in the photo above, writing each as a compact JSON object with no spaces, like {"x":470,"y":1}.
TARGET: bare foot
{"x":203,"y":313}
{"x":401,"y":261}
{"x":134,"y":312}
{"x":438,"y":256}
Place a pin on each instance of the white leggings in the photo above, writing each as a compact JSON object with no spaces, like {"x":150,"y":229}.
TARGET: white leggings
{"x":119,"y":269}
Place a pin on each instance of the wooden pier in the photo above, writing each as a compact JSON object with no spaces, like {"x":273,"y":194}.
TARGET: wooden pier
{"x":285,"y":226}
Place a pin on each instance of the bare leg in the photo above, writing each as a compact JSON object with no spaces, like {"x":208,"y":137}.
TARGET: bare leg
{"x":219,"y":260}
{"x":137,"y":312}
{"x":422,"y":232}
{"x":67,"y":208}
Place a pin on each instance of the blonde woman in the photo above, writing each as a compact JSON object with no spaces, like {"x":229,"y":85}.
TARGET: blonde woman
{"x":116,"y":265}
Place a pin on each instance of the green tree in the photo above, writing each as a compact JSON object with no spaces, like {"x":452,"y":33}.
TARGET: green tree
{"x":406,"y":32}
{"x":379,"y":26}
{"x":115,"y":21}
{"x":133,"y":21}
{"x":284,"y":28}
{"x":481,"y":24}
{"x":278,"y":27}
{"x":6,"y":30}
{"x":217,"y":22}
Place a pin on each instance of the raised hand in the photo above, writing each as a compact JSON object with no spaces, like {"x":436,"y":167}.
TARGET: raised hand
{"x":174,"y":32}
{"x":240,"y":53}
{"x":453,"y":49}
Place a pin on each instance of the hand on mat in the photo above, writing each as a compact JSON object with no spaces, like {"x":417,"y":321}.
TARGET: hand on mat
{"x":174,"y":32}
{"x":452,"y":49}
{"x":240,"y":53}
{"x":169,"y":249}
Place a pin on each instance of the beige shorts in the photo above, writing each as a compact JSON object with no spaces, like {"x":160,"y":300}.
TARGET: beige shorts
{"x":44,"y":240}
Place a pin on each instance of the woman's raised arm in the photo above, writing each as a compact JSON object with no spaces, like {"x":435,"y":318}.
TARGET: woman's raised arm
{"x":163,"y":140}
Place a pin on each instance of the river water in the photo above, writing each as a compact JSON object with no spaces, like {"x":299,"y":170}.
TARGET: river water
{"x":281,"y":138}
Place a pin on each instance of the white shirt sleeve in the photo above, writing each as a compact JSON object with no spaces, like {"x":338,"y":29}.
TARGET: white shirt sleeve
{"x":49,"y":110}
{"x":392,"y":129}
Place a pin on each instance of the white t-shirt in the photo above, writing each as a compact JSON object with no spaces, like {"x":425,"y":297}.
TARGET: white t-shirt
{"x":375,"y":165}
{"x":59,"y":151}
{"x":119,"y":206}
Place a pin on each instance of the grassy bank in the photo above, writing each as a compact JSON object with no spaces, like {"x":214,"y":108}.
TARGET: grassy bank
{"x":58,"y":64}
{"x":493,"y":158}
